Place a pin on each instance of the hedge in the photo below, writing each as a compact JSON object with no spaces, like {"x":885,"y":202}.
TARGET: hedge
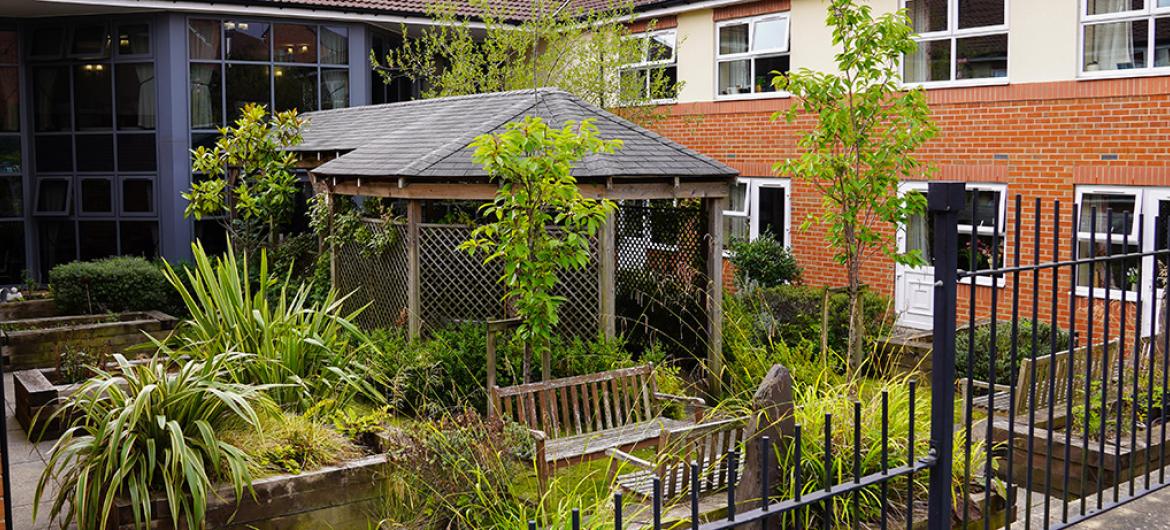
{"x":110,"y":285}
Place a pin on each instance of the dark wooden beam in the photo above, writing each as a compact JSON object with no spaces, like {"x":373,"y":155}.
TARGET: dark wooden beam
{"x":380,"y":187}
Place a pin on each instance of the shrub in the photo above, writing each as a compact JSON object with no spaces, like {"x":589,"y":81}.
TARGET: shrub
{"x":141,"y":430}
{"x":764,"y":261}
{"x":309,"y":354}
{"x":291,"y":443}
{"x":792,"y":313}
{"x":1005,"y":363}
{"x":109,"y":285}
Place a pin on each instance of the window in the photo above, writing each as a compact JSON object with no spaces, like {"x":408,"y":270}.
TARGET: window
{"x":12,"y":255}
{"x":1107,"y":226}
{"x":958,"y":40}
{"x":982,"y":230}
{"x":655,"y":75}
{"x":757,"y":206}
{"x":1124,"y":37}
{"x":749,"y":54}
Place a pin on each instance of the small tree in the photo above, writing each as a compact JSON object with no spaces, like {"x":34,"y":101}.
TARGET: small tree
{"x":249,"y":177}
{"x":861,"y":147}
{"x":580,"y":50}
{"x":538,"y":223}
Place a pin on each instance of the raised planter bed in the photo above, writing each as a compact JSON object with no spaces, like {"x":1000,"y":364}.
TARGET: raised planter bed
{"x":1119,"y":461}
{"x":910,"y":350}
{"x":37,"y":305}
{"x":37,"y":398}
{"x":341,"y":496}
{"x":36,"y":342}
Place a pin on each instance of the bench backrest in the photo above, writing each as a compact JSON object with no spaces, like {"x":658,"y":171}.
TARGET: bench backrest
{"x":581,"y":404}
{"x":1054,"y":379}
{"x":705,"y":444}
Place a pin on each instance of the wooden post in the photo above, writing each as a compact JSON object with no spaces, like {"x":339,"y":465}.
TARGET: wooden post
{"x":714,"y":295}
{"x":413,"y":315}
{"x":330,"y":206}
{"x":606,"y":288}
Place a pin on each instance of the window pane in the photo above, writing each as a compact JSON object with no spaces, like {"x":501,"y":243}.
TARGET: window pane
{"x":930,"y":62}
{"x":335,"y":45}
{"x":47,"y":42}
{"x":11,"y":252}
{"x":95,"y":152}
{"x":735,"y":77}
{"x":53,"y":196}
{"x":138,"y":195}
{"x":770,"y":34}
{"x":663,"y":82}
{"x":136,"y":152}
{"x":927,"y":15}
{"x":1119,"y":274}
{"x":212,"y":235}
{"x":1116,"y":45}
{"x":1162,"y":222}
{"x":247,"y":41}
{"x":1101,"y":7}
{"x":140,"y":238}
{"x":136,"y":96}
{"x":206,"y":96}
{"x":203,"y":140}
{"x":54,"y":153}
{"x":633,"y":83}
{"x":771,"y":214}
{"x":979,"y":13}
{"x":8,"y":47}
{"x":767,"y":68}
{"x":99,"y":239}
{"x":1162,"y":41}
{"x":203,"y":40}
{"x":91,"y":41}
{"x":334,"y":89}
{"x":133,"y":39}
{"x":981,"y":248}
{"x":93,"y":103}
{"x":733,"y":39}
{"x":660,"y":47}
{"x":981,"y":57}
{"x":296,"y":88}
{"x":9,"y":155}
{"x":246,"y":83}
{"x":96,"y":196}
{"x":11,"y":196}
{"x":1101,"y":204}
{"x":51,"y":94}
{"x":58,"y":244}
{"x":296,"y":43}
{"x":986,"y":206}
{"x":9,"y":99}
{"x":735,"y":228}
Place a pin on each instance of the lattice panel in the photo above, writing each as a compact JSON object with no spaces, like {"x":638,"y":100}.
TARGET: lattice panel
{"x":380,"y":280}
{"x":579,"y":313}
{"x":455,"y":286}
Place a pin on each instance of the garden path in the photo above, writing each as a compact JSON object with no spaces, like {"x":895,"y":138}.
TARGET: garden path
{"x":26,"y":461}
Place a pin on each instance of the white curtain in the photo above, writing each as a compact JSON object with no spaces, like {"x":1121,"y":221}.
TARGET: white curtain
{"x":202,"y":109}
{"x":336,"y":84}
{"x":1112,"y":43}
{"x":917,"y":65}
{"x":917,"y":236}
{"x":146,"y":96}
{"x":735,"y":77}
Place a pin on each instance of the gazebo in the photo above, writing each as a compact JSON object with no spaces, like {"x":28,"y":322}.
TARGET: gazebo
{"x":417,"y":153}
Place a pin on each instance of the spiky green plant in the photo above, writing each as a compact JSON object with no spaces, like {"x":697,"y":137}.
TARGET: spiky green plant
{"x":144,"y":429}
{"x":309,"y":353}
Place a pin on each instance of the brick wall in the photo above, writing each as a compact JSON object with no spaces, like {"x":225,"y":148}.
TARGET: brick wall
{"x":1040,"y":139}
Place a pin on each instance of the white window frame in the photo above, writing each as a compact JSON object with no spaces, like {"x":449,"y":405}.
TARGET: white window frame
{"x":1136,"y":245}
{"x":1149,"y":13}
{"x":752,"y":205}
{"x":953,"y":34}
{"x":647,"y":65}
{"x":980,"y":230}
{"x":752,"y":55}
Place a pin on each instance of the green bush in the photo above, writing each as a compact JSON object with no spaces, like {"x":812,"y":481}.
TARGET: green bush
{"x":793,"y":313}
{"x":1004,"y":365}
{"x":109,"y":285}
{"x":764,"y":261}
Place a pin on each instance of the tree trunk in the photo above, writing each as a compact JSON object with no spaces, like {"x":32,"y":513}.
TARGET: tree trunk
{"x":856,"y":326}
{"x":773,"y":417}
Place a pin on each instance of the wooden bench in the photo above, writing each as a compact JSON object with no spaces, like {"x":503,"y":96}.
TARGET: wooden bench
{"x":998,"y":402}
{"x":576,"y":419}
{"x":705,"y":444}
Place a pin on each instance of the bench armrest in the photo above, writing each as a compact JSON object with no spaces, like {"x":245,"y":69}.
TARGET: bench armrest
{"x":618,"y":454}
{"x":964,"y":382}
{"x":697,"y":401}
{"x":539,"y":435}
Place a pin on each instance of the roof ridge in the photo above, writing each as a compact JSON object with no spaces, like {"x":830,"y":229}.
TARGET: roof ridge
{"x":424,"y":101}
{"x":462,"y":141}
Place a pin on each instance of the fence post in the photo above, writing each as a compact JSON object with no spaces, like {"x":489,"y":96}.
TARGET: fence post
{"x":714,"y":295}
{"x":606,"y":288}
{"x":944,"y":200}
{"x":413,"y":278}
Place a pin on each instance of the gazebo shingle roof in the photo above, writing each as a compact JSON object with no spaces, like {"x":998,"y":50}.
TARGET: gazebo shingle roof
{"x":430,"y":138}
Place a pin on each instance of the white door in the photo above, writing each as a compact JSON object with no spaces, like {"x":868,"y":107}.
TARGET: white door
{"x":914,"y":287}
{"x":1157,"y":216}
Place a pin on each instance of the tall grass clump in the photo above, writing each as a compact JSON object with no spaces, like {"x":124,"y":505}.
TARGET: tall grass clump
{"x":306,"y":352}
{"x":143,"y":429}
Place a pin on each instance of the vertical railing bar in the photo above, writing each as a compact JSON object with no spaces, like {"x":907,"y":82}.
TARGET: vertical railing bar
{"x":695,"y":495}
{"x":656,"y":502}
{"x":1052,"y":382}
{"x":1088,"y":353}
{"x":576,"y":515}
{"x":798,"y":473}
{"x":1137,"y":358}
{"x":1149,"y":456}
{"x":1074,"y":251}
{"x":1028,"y":480}
{"x":1121,"y":347}
{"x":1013,"y":360}
{"x":856,"y":463}
{"x":886,"y":457}
{"x":617,"y":511}
{"x":991,"y":371}
{"x":910,"y":458}
{"x":531,"y":525}
{"x":944,"y":201}
{"x":765,"y":482}
{"x":732,"y":466}
{"x":1165,"y":368}
{"x":970,"y":397}
{"x":826,"y":523}
{"x":1105,"y":355}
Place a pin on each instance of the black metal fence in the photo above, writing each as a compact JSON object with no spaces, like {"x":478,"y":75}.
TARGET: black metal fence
{"x":1059,"y":315}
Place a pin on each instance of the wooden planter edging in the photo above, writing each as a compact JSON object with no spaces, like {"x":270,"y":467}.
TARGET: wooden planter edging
{"x":36,"y":342}
{"x":341,"y":496}
{"x":1084,"y":467}
{"x":911,"y":350}
{"x":25,"y":309}
{"x":37,"y":398}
